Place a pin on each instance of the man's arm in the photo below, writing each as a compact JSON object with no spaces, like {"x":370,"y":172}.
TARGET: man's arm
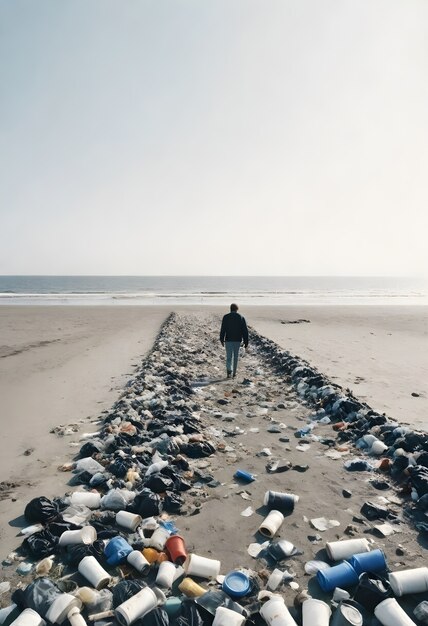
{"x":244,"y":331}
{"x":222,"y":331}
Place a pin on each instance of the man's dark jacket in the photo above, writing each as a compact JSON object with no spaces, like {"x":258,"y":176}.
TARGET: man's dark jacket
{"x":234,"y":328}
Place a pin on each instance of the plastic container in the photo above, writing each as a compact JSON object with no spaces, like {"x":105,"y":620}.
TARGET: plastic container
{"x":28,"y":617}
{"x":93,"y":572}
{"x":278,"y":501}
{"x":342,"y":575}
{"x":139,"y":605}
{"x":271,"y":524}
{"x":61,"y":606}
{"x":196,"y":565}
{"x":373,"y":561}
{"x":91,"y":499}
{"x":347,"y":615}
{"x":117,"y":550}
{"x":340,"y":550}
{"x":190,"y":588}
{"x":236,"y":584}
{"x":86,"y":535}
{"x":138,"y":561}
{"x":176,"y":549}
{"x":130,"y":521}
{"x":409,"y":581}
{"x":226,"y":617}
{"x":315,"y":613}
{"x":245,"y":476}
{"x":166,"y":574}
{"x":159,"y":538}
{"x":390,"y":613}
{"x":275,"y":613}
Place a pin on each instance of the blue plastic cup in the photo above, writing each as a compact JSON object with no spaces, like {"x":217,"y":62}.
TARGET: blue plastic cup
{"x":117,"y":550}
{"x":243,"y":475}
{"x":373,"y":561}
{"x":342,"y":575}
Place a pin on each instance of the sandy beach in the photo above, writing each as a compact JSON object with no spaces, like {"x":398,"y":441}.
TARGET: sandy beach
{"x":60,"y":367}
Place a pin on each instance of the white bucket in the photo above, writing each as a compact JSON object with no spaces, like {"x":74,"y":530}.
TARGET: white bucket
{"x":166,"y":574}
{"x":196,"y":565}
{"x":136,"y":607}
{"x":409,"y":581}
{"x":91,"y":499}
{"x":275,"y":613}
{"x":138,"y":561}
{"x":61,"y":607}
{"x":271,"y":524}
{"x":130,"y":521}
{"x":86,"y":535}
{"x":28,"y":617}
{"x":226,"y":617}
{"x":315,"y":613}
{"x":158,"y":539}
{"x":390,"y":613}
{"x":94,"y":572}
{"x":340,"y":550}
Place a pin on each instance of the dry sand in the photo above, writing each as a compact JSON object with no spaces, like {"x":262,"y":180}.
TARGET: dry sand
{"x":64,"y":365}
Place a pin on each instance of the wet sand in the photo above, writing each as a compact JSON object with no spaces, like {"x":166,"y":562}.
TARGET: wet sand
{"x":65,"y":365}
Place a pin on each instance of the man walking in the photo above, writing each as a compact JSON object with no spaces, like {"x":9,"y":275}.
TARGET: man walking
{"x":233,"y":331}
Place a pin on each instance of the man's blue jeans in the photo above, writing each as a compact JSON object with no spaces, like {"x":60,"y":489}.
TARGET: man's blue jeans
{"x":232,"y":351}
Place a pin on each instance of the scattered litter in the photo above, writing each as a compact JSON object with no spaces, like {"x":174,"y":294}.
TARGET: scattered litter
{"x":322,"y":523}
{"x":303,"y":447}
{"x":312,"y":567}
{"x":254,"y":549}
{"x":247,"y":512}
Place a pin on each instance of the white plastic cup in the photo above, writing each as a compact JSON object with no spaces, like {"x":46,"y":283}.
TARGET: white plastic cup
{"x":28,"y":617}
{"x":340,"y":550}
{"x":158,"y":539}
{"x":390,"y":613}
{"x":196,"y":565}
{"x":85,"y":535}
{"x":378,"y":447}
{"x":275,"y":613}
{"x":130,"y":521}
{"x":271,"y":524}
{"x":166,"y":574}
{"x":138,"y":561}
{"x":61,"y":607}
{"x":94,"y":572}
{"x":409,"y":581}
{"x":139,"y":605}
{"x":315,"y":613}
{"x":226,"y":617}
{"x":91,"y":499}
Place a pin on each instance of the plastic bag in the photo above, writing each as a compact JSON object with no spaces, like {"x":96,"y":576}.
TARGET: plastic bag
{"x":77,"y":514}
{"x":41,"y":544}
{"x":38,"y":595}
{"x":89,"y":465}
{"x":190,"y":615}
{"x":172,"y":502}
{"x":41,"y":510}
{"x":75,"y":553}
{"x":114,"y":500}
{"x":158,"y":483}
{"x":147,"y":504}
{"x":157,"y":617}
{"x":89,"y":448}
{"x":125,"y":589}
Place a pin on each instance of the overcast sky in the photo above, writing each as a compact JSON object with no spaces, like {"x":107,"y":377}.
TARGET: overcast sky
{"x":214,"y":137}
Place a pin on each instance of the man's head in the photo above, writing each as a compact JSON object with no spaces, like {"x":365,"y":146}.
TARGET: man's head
{"x":233,"y":307}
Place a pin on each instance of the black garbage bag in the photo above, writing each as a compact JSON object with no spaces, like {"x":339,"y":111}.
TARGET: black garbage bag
{"x":398,"y":466}
{"x":41,"y":544}
{"x":198,"y":449}
{"x":158,"y":483}
{"x":181,"y":485}
{"x":119,"y":468}
{"x":372,"y":589}
{"x":172,"y":502}
{"x":60,"y":526}
{"x":419,"y":479}
{"x":38,"y":595}
{"x":157,"y":617}
{"x":125,"y":589}
{"x":82,"y":478}
{"x":41,"y":509}
{"x":190,"y":615}
{"x":75,"y":553}
{"x":89,"y":448}
{"x":146,"y":504}
{"x":374,"y":511}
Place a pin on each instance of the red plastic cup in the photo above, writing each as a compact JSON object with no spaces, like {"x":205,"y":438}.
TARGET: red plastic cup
{"x":176,"y":549}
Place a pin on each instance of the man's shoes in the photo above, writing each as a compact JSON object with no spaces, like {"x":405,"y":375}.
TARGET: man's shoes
{"x":229,"y":374}
{"x":234,"y":375}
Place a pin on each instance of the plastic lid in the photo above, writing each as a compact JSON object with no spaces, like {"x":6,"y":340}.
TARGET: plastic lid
{"x":236,"y":584}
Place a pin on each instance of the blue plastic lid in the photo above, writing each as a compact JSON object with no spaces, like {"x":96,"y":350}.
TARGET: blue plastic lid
{"x":236,"y":584}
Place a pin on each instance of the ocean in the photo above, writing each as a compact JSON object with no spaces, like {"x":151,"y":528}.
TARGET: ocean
{"x":206,"y":290}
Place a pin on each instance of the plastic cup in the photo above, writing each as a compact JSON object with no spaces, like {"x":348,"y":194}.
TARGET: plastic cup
{"x":315,"y":613}
{"x":390,"y":613}
{"x":245,"y":476}
{"x":373,"y":561}
{"x":151,"y":555}
{"x":117,"y":550}
{"x":409,"y":581}
{"x":28,"y":617}
{"x":138,"y":561}
{"x":93,"y":572}
{"x":275,"y":613}
{"x":130,"y":521}
{"x":139,"y":605}
{"x":159,"y":538}
{"x":176,"y":549}
{"x":226,"y":617}
{"x":278,"y":501}
{"x":166,"y":574}
{"x":271,"y":524}
{"x":196,"y":565}
{"x":340,"y":550}
{"x":347,"y":615}
{"x":86,"y":535}
{"x":91,"y":499}
{"x":190,"y":588}
{"x":61,"y":606}
{"x":342,"y":575}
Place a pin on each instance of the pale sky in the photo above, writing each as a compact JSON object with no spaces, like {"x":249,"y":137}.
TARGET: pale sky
{"x":279,"y":137}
